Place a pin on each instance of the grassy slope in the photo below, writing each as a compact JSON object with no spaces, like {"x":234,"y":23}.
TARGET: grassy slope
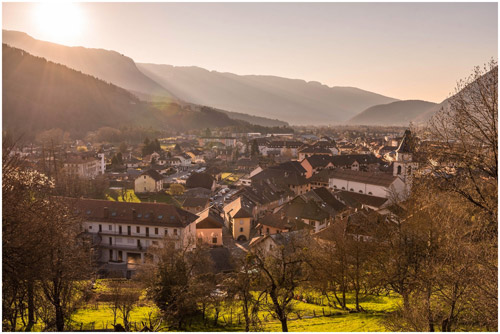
{"x":335,"y":320}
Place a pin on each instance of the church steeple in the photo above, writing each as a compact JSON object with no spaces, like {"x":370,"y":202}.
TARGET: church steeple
{"x":403,"y":165}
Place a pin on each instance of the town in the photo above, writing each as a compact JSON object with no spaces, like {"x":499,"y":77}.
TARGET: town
{"x":228,"y":191}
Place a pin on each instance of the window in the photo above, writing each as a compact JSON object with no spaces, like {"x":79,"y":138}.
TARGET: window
{"x":90,"y":227}
{"x":267,"y":230}
{"x":352,"y":189}
{"x":144,"y":188}
{"x":129,"y":230}
{"x":361,"y":191}
{"x":214,"y":240}
{"x":241,"y":229}
{"x":139,"y":243}
{"x":241,"y":221}
{"x":370,"y":193}
{"x":138,"y":229}
{"x":110,"y":240}
{"x":147,"y":231}
{"x":399,"y":170}
{"x":120,"y":256}
{"x":119,"y":230}
{"x":110,"y":255}
{"x":156,"y":230}
{"x":335,"y":186}
{"x":144,"y":177}
{"x":110,"y":227}
{"x":175,"y":231}
{"x":166,"y":231}
{"x":100,"y":228}
{"x":343,"y":188}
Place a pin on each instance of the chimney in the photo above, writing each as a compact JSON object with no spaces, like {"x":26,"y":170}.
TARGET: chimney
{"x":134,"y":214}
{"x":106,"y":212}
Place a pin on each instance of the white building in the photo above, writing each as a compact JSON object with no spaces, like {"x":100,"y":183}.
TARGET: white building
{"x":123,"y":232}
{"x":86,"y":167}
{"x":376,"y":184}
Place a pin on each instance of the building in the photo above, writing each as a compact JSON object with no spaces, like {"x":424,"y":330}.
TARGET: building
{"x":149,"y":182}
{"x":85,"y":166}
{"x":403,"y":165}
{"x":195,"y":204}
{"x":307,"y":151}
{"x":201,"y":180}
{"x":238,"y":218}
{"x":123,"y":232}
{"x":308,"y":211}
{"x":226,"y":141}
{"x":209,"y":227}
{"x":376,"y":184}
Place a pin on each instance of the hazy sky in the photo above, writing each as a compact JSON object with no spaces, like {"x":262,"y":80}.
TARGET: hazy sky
{"x":402,"y":50}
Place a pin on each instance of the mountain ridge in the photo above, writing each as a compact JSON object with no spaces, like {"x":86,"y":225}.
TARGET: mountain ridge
{"x":394,"y":113}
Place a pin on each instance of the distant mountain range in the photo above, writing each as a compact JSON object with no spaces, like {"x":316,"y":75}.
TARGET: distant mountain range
{"x":395,"y":113}
{"x":295,"y":101}
{"x":290,"y":100}
{"x":39,"y":95}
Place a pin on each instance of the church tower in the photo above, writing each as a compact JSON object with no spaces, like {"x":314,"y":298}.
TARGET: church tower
{"x":404,"y":166}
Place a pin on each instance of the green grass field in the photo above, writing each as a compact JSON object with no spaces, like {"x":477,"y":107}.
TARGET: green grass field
{"x":305,"y":316}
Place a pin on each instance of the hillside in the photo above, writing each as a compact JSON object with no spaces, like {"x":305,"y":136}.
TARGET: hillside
{"x":40,"y":95}
{"x":106,"y":65}
{"x":291,"y":100}
{"x":267,"y":97}
{"x":395,"y":113}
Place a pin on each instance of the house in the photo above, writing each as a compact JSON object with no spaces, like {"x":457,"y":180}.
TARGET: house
{"x":357,"y":200}
{"x":209,"y":227}
{"x":265,"y":194}
{"x":315,"y":163}
{"x":198,"y":192}
{"x":148,"y":182}
{"x":268,"y":244}
{"x":132,"y":162}
{"x":362,"y":162}
{"x":201,"y":180}
{"x":195,"y":204}
{"x":226,"y":141}
{"x":278,"y":223}
{"x":185,"y":161}
{"x":123,"y":232}
{"x":284,"y":178}
{"x":238,"y":218}
{"x":308,"y":211}
{"x":196,"y":156}
{"x":85,"y":166}
{"x":326,"y":200}
{"x":307,"y":150}
{"x":376,"y":184}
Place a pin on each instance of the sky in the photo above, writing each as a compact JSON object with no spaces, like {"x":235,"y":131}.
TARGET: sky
{"x":401,"y":50}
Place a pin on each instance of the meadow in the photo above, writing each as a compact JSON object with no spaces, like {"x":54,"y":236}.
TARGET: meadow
{"x":306,"y":316}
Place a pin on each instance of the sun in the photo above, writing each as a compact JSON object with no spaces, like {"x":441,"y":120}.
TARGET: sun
{"x":58,"y":21}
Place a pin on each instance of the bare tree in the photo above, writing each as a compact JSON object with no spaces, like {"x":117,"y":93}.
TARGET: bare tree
{"x":282,"y":270}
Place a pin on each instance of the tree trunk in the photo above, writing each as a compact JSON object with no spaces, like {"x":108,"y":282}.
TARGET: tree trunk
{"x":31,"y":306}
{"x":284,"y":325}
{"x":59,"y":316}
